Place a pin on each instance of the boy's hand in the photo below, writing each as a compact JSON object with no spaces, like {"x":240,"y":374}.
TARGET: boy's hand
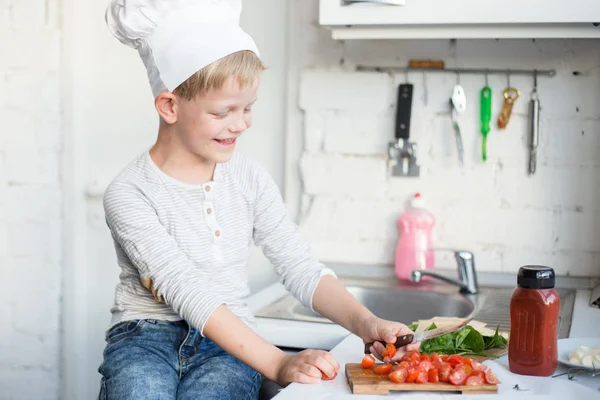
{"x":307,"y":366}
{"x":376,"y":329}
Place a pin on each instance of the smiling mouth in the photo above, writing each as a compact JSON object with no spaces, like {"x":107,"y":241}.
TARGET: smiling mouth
{"x":226,"y":142}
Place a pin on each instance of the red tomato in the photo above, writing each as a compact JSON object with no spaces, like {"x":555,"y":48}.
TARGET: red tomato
{"x":467,"y":361}
{"x":436,"y":364}
{"x":479,"y":374}
{"x":457,"y":377}
{"x":383,"y":369}
{"x":455,"y":359}
{"x":435,"y":357}
{"x":425,"y":357}
{"x":478,"y":366}
{"x":415,"y":356}
{"x":468,"y":370}
{"x":474,"y":381}
{"x":404,"y":364}
{"x":368,"y":361}
{"x":326,"y":378}
{"x":421,"y":377}
{"x":424,"y":366}
{"x":444,"y":357}
{"x":390,"y":351}
{"x":445,"y":371}
{"x":433,"y":375}
{"x":398,"y":375}
{"x":490,"y":377}
{"x":413,"y":373}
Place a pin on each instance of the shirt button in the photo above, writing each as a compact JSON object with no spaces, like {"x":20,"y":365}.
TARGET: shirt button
{"x":207,"y":188}
{"x":208,"y":211}
{"x":217,"y":233}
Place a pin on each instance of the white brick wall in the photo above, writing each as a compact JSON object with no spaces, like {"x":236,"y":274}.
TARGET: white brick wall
{"x":350,"y":202}
{"x":30,"y":199}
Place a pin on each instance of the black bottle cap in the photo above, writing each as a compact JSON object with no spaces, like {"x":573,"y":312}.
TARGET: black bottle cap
{"x":535,"y":277}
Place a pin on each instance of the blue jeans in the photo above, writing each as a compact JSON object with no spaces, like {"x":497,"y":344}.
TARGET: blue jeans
{"x":160,"y":360}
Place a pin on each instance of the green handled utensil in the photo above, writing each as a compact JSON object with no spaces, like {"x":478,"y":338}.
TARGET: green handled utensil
{"x":486,"y":117}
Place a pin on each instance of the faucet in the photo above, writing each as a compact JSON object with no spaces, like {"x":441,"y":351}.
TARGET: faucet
{"x":466,"y":273}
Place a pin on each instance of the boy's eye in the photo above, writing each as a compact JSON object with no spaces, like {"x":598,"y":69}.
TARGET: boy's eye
{"x":221,"y":115}
{"x":247,"y":110}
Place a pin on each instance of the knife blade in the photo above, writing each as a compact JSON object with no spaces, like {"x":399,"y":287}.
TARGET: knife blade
{"x":421,"y":336}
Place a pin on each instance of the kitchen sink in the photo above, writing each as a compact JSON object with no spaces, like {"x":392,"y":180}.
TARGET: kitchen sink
{"x":407,"y":302}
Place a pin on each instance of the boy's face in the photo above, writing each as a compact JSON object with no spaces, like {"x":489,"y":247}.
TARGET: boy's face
{"x":209,"y":125}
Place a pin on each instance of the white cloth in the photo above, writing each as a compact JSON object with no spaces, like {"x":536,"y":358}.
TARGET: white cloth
{"x":177,"y":38}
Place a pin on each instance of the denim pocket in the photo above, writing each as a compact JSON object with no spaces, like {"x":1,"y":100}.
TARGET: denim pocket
{"x":123,"y":330}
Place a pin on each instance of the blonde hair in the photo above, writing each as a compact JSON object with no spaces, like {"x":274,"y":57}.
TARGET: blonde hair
{"x":244,"y":65}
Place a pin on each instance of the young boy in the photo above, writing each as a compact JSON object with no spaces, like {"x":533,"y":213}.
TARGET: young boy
{"x":184,"y":214}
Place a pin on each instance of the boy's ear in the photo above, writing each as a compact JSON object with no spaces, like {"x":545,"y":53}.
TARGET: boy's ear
{"x":166,"y":105}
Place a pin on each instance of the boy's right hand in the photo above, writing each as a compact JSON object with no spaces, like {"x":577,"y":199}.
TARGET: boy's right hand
{"x":307,"y":366}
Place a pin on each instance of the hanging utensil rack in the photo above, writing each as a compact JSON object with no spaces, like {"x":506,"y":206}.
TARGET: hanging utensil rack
{"x":481,"y":71}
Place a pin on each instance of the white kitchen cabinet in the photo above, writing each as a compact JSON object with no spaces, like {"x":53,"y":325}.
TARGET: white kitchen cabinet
{"x":431,"y":19}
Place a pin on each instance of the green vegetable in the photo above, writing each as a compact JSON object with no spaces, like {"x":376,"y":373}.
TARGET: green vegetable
{"x":467,"y":341}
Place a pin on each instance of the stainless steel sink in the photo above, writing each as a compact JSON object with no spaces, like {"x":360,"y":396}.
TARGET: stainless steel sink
{"x":407,"y":302}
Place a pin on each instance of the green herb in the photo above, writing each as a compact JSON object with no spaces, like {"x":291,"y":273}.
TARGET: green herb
{"x":467,"y":341}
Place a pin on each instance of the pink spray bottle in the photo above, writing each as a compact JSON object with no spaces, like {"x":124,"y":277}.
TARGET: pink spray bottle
{"x":414,"y":249}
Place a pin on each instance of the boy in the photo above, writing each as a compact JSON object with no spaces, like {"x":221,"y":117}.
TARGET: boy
{"x":184,"y":214}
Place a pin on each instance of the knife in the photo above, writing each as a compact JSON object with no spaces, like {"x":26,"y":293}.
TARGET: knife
{"x":419,"y":337}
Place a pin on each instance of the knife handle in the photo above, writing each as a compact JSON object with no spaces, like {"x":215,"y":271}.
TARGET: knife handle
{"x":400,"y":342}
{"x":403,"y":111}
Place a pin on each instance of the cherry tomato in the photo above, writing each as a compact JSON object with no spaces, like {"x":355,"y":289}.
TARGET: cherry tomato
{"x":413,"y":373}
{"x":457,"y":377}
{"x":424,"y":366}
{"x":383,"y":369}
{"x":474,"y":380}
{"x":490,"y":377}
{"x":327,"y":378}
{"x":478,"y":366}
{"x":433,"y":375}
{"x":390,"y":351}
{"x":468,"y":370}
{"x":467,"y":361}
{"x":445,"y":371}
{"x":398,"y":375}
{"x":480,"y":374}
{"x":368,"y":361}
{"x":455,"y":359}
{"x":421,"y":377}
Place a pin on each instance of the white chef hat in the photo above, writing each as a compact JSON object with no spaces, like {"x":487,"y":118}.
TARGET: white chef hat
{"x":177,"y":38}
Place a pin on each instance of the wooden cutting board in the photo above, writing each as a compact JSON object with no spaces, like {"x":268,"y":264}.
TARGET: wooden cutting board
{"x":365,"y":381}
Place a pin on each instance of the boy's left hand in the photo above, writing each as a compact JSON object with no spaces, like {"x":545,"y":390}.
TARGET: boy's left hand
{"x":376,"y":329}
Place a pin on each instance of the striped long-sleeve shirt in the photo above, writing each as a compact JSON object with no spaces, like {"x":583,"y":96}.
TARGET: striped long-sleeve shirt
{"x":193,"y":241}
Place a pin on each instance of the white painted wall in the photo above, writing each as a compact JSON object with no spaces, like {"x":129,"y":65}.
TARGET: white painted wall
{"x":341,"y":122}
{"x":30,"y":200}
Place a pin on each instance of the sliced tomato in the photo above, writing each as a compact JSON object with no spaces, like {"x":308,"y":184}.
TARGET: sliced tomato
{"x":398,"y":375}
{"x":433,"y":375}
{"x":478,"y":366}
{"x":367,"y":361}
{"x":422,"y":377}
{"x":445,"y":371}
{"x":415,"y":356}
{"x":404,"y":364}
{"x":436,"y":364}
{"x":444,"y":357}
{"x":327,"y":378}
{"x":455,"y":359}
{"x":425,"y":357}
{"x":490,"y":377}
{"x":424,"y":366}
{"x":480,"y":374}
{"x":467,"y":368}
{"x":435,"y":357}
{"x":457,"y":377}
{"x":474,"y":380}
{"x":390,"y":351}
{"x":413,"y":373}
{"x":383,"y":369}
{"x":415,"y":363}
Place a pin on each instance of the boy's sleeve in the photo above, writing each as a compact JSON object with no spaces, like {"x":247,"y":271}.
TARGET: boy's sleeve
{"x":134,"y":224}
{"x":283,"y":244}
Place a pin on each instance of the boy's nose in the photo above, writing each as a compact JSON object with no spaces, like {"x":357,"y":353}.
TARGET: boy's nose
{"x":239,"y":125}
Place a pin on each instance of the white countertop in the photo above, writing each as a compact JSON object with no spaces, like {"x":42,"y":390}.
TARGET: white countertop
{"x":585,"y":323}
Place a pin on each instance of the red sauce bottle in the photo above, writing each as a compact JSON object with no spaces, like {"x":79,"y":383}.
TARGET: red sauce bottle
{"x":534,"y":312}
